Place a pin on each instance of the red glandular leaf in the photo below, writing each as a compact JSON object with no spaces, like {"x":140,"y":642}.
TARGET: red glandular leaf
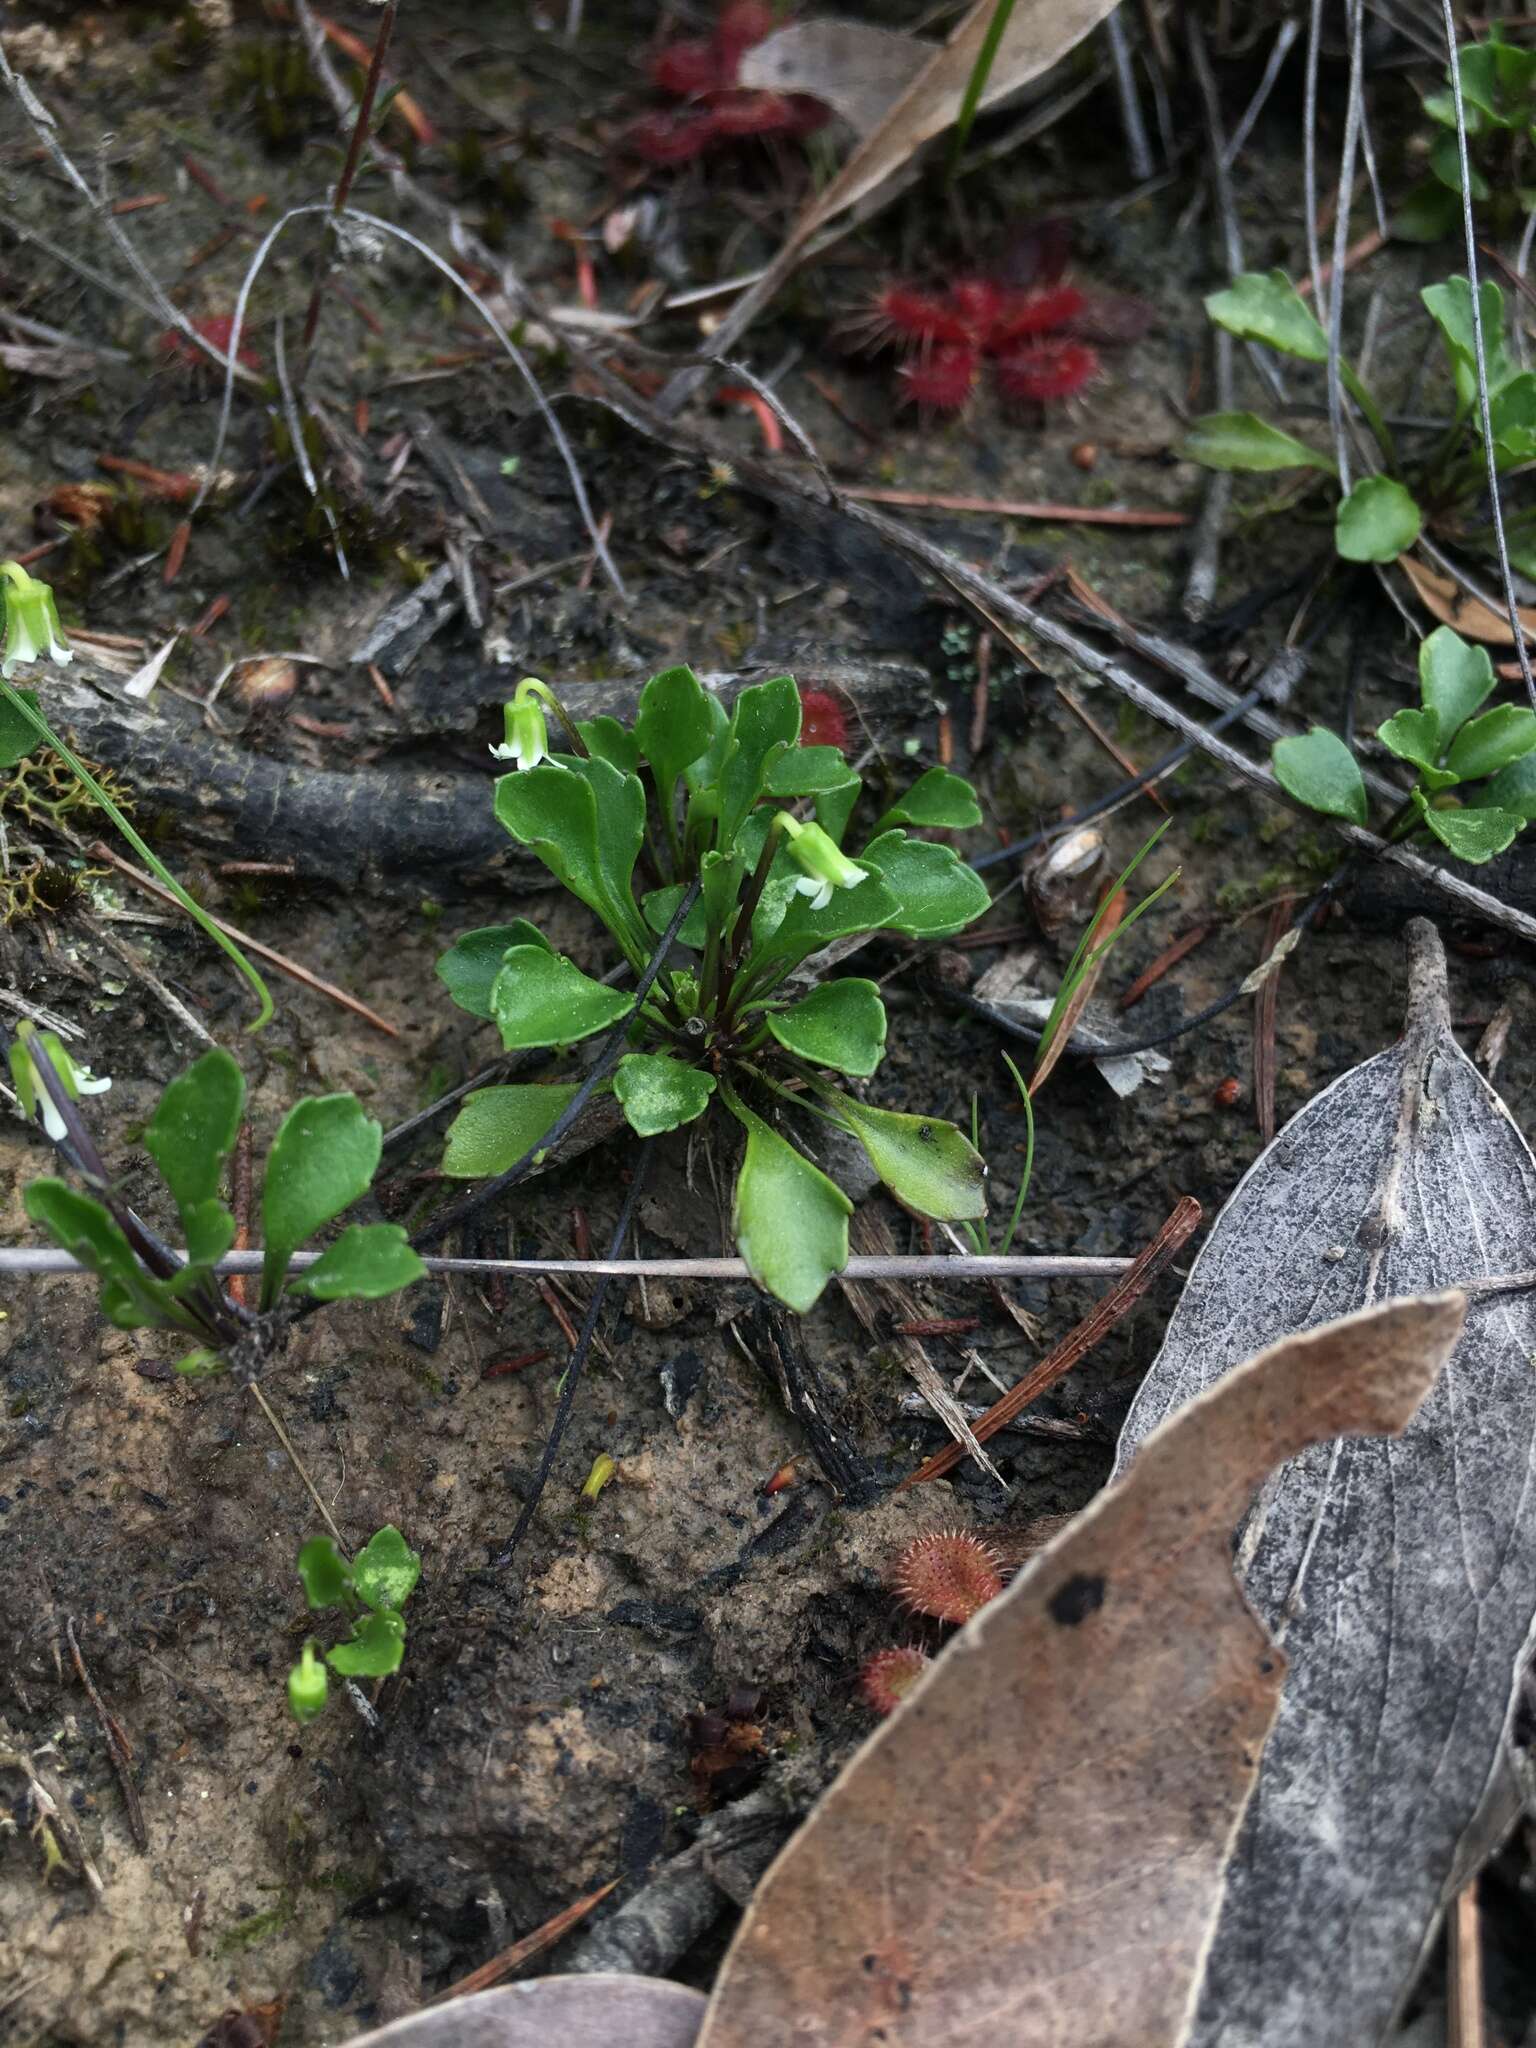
{"x":823,"y":722}
{"x":889,"y":1675}
{"x":949,"y":1575}
{"x":669,"y":138}
{"x":743,"y":23}
{"x":1046,"y":372}
{"x":739,"y":113}
{"x":1024,"y":315}
{"x":693,"y":65}
{"x":941,"y":380}
{"x":901,"y":316}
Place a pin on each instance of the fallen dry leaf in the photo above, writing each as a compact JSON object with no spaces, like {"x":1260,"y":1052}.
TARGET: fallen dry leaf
{"x":1039,"y":32}
{"x":858,"y":71}
{"x":1399,"y":1577}
{"x":1451,"y":605}
{"x":1032,"y":1850}
{"x":604,"y":2010}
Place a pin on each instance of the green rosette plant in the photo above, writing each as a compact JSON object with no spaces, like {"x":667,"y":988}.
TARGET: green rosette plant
{"x":725,"y":826}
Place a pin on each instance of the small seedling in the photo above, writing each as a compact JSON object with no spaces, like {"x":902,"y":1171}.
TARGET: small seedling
{"x":370,"y":1591}
{"x":1384,"y":514}
{"x":734,"y":826}
{"x":321,"y":1161}
{"x":1447,"y":744}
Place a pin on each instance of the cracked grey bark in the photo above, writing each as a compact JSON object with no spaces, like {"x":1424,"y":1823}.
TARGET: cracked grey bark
{"x":1399,"y":1575}
{"x":380,"y":828}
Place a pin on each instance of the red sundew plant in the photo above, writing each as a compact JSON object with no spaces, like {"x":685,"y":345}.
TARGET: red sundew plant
{"x":948,"y":1575}
{"x":1036,"y":340}
{"x":701,"y":70}
{"x":216,"y":329}
{"x":823,"y":721}
{"x":889,"y":1675}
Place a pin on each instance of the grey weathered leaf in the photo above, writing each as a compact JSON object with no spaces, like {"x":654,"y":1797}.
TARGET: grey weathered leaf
{"x":859,"y":70}
{"x":1400,"y":1577}
{"x":598,"y":2011}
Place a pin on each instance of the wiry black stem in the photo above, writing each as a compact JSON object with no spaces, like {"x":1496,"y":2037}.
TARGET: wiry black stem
{"x":578,"y":1360}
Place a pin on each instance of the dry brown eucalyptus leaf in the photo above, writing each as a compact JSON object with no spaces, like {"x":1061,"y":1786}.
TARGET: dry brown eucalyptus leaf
{"x":1399,"y":1577}
{"x":1031,"y":1851}
{"x":1038,"y":33}
{"x":859,"y":71}
{"x":1453,"y":606}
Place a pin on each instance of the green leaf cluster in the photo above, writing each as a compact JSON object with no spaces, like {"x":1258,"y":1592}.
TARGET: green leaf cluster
{"x":685,"y":811}
{"x":1383,"y":516}
{"x":1448,"y":740}
{"x":1498,"y":95}
{"x":370,"y":1590}
{"x":321,"y":1161}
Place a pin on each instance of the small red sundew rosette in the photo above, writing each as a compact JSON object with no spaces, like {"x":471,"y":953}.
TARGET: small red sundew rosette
{"x":948,"y":338}
{"x":702,"y":72}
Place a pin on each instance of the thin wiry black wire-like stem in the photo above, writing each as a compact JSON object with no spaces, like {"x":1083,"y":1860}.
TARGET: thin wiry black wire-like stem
{"x":573,"y":1370}
{"x":1484,"y":405}
{"x":608,"y":1057}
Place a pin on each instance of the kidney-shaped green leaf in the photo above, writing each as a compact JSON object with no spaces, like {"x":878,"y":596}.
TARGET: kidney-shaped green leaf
{"x":497,"y":1126}
{"x":386,"y":1569}
{"x":937,"y":800}
{"x":1319,"y":771}
{"x":674,"y":725}
{"x":1266,"y":306}
{"x":376,"y":1648}
{"x":659,"y":1093}
{"x":1474,"y":835}
{"x":841,"y":1025}
{"x":321,"y":1162}
{"x":938,"y":894}
{"x":790,"y":1222}
{"x":926,"y":1163}
{"x":543,"y":999}
{"x":1486,"y":744}
{"x":367,"y":1261}
{"x":469,"y":968}
{"x":1454,"y":679}
{"x":1415,"y":736}
{"x":325,"y":1573}
{"x":1377,"y":521}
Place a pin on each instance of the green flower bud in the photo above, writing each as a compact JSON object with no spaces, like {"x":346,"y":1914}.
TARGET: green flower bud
{"x":307,"y":1687}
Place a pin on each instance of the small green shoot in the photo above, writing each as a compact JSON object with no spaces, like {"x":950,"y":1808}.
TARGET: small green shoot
{"x":1449,"y":742}
{"x":369,"y":1590}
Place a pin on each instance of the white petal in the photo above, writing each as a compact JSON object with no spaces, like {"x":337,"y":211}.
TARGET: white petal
{"x":53,"y":1123}
{"x":87,"y":1083}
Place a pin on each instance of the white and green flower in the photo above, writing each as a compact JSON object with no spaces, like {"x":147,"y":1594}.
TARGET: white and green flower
{"x":527,"y":740}
{"x":826,"y":867}
{"x":34,"y":1098}
{"x":32,"y":629}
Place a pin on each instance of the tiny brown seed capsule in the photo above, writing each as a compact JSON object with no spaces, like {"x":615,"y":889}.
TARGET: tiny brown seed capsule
{"x":1086,"y":455}
{"x":1228,"y":1094}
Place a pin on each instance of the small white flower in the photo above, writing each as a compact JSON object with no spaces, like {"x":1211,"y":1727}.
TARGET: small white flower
{"x":32,"y":627}
{"x":527,"y":740}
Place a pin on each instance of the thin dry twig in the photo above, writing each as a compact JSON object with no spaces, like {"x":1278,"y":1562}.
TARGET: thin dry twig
{"x":1175,"y":1233}
{"x":554,"y":1929}
{"x":118,"y":1747}
{"x":302,"y":975}
{"x":1019,"y":508}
